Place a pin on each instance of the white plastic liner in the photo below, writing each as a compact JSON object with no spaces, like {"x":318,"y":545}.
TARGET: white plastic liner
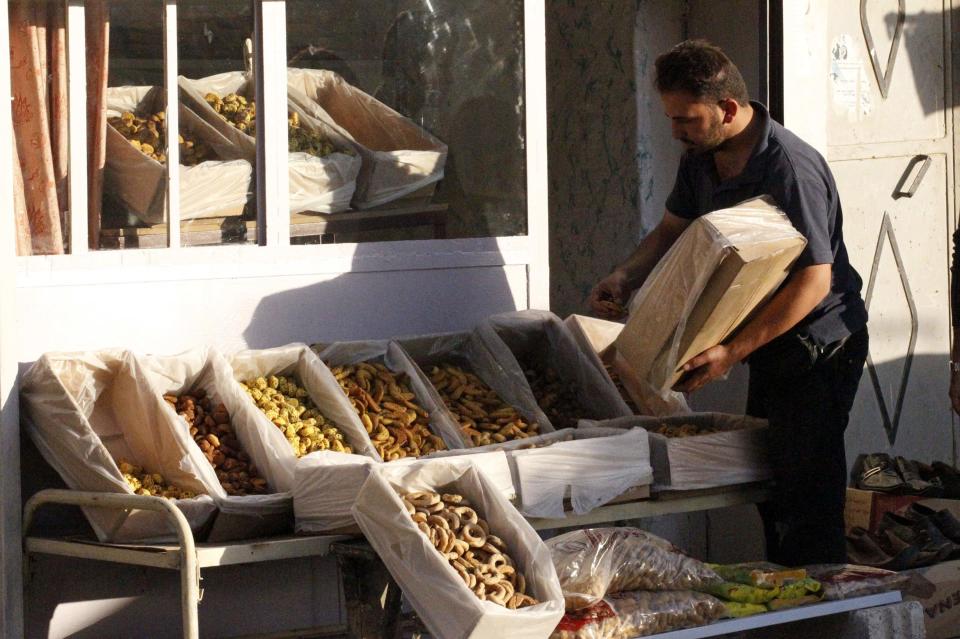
{"x":214,"y":188}
{"x":468,"y":351}
{"x":274,"y":456}
{"x":399,"y":157}
{"x":391,"y":355}
{"x":735,"y":455}
{"x":515,"y":335}
{"x":660,"y":311}
{"x":448,"y":608}
{"x":592,"y":471}
{"x":320,"y":185}
{"x":86,"y":412}
{"x":207,"y":369}
{"x":326,"y":485}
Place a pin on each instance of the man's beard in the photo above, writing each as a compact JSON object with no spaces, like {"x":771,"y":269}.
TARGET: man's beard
{"x":712,"y":140}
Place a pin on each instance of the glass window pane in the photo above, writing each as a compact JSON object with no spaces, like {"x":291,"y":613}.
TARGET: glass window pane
{"x":133,"y":137}
{"x":421,"y":103}
{"x":217,"y":122}
{"x":38,"y":75}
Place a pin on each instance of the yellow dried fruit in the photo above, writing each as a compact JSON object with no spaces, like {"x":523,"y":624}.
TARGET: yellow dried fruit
{"x":290,"y":408}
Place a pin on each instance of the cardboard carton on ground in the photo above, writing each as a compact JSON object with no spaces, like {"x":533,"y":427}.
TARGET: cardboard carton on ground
{"x":941,"y":602}
{"x":724,"y":266}
{"x":865,"y":508}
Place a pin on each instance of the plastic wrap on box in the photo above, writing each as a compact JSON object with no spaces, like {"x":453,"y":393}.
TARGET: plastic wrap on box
{"x":88,"y":411}
{"x":735,"y":454}
{"x":590,"y":471}
{"x":272,"y":452}
{"x":326,"y":484}
{"x":399,"y":157}
{"x":595,"y":562}
{"x":467,"y":351}
{"x":430,"y":583}
{"x":540,"y":337}
{"x":723,"y":266}
{"x":239,"y":516}
{"x":321,"y":185}
{"x":213,"y":188}
{"x":394,"y":358}
{"x":640,"y":613}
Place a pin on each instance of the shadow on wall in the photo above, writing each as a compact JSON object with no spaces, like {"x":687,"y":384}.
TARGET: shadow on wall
{"x":922,"y":46}
{"x":372,"y":302}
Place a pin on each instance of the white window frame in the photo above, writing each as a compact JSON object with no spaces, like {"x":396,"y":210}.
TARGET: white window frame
{"x":274,"y":254}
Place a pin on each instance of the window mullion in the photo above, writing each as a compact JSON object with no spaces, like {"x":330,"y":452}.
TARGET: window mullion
{"x":271,"y":82}
{"x":77,"y":124}
{"x":173,"y":123}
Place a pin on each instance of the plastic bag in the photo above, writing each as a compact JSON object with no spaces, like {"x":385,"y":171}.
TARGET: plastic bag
{"x":207,"y":370}
{"x":398,"y":157}
{"x":274,"y":455}
{"x":681,"y":309}
{"x":596,"y":562}
{"x":326,"y":485}
{"x":317,"y":184}
{"x":734,"y":452}
{"x":845,"y":581}
{"x":467,"y":351}
{"x":209,"y":189}
{"x":88,"y":411}
{"x":639,"y":613}
{"x":432,"y":585}
{"x":762,"y":574}
{"x":394,"y":358}
{"x":539,"y":339}
{"x":589,"y":470}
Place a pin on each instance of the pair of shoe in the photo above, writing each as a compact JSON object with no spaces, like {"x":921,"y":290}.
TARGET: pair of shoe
{"x":921,"y":536}
{"x":949,"y":478}
{"x":898,"y":475}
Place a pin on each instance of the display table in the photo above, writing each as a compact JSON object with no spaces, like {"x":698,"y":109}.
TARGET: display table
{"x":358,"y":565}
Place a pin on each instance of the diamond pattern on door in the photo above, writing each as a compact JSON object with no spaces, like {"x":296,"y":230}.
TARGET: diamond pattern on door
{"x":891,"y":422}
{"x":883,"y":75}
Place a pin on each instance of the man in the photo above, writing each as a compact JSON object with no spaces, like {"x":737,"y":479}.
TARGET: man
{"x":806,"y":346}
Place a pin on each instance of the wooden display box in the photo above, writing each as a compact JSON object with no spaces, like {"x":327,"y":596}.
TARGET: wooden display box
{"x":865,"y":508}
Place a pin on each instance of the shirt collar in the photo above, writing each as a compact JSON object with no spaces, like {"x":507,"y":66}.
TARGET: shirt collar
{"x":756,"y":166}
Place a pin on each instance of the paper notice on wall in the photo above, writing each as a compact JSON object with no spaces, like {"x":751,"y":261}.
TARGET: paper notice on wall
{"x":850,"y":81}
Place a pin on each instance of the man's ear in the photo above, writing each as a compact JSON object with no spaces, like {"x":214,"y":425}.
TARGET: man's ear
{"x":730,"y":107}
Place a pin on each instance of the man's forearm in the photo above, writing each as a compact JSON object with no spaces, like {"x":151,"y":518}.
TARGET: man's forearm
{"x":644,"y":258}
{"x":794,"y":301}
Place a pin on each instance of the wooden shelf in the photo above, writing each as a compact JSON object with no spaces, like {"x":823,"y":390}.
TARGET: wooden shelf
{"x":326,"y":226}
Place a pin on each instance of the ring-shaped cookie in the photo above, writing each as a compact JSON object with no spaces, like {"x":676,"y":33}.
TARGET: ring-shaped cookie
{"x":423,"y":499}
{"x":466,"y":514}
{"x":474,"y":535}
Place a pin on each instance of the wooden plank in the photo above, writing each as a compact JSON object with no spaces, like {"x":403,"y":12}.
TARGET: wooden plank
{"x":230,"y":229}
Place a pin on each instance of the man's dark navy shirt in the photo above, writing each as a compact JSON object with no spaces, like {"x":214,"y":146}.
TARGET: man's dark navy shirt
{"x":800,"y":182}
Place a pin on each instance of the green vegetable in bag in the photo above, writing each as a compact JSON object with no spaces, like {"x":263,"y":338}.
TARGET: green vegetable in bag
{"x":742,"y":593}
{"x":736,"y":609}
{"x":799,"y":588}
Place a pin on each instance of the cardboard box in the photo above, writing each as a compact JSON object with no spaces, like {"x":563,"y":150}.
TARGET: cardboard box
{"x":725,"y":265}
{"x":865,"y":508}
{"x":941,"y":602}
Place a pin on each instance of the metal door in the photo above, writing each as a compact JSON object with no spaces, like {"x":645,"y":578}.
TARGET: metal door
{"x":889,"y":141}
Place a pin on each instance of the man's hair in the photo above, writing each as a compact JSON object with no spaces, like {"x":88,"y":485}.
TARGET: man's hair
{"x":702,"y":70}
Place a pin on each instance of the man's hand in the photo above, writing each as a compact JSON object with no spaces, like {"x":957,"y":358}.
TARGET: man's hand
{"x":608,"y":297}
{"x":711,"y":364}
{"x":955,"y":391}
